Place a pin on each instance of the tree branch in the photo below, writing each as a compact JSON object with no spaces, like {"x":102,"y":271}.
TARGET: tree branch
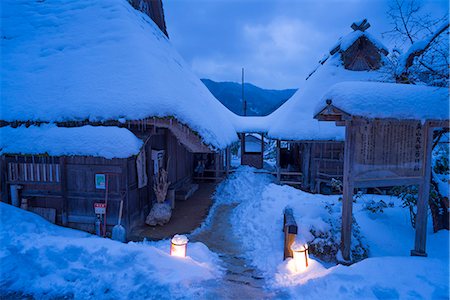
{"x":417,"y":49}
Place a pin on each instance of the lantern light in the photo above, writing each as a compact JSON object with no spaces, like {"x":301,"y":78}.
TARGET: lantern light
{"x":301,"y":256}
{"x":178,"y":245}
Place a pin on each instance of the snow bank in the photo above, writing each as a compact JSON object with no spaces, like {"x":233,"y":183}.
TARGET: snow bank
{"x":99,"y":60}
{"x":389,"y":272}
{"x":374,"y":278}
{"x":101,"y":141}
{"x":389,"y":100}
{"x":47,"y":261}
{"x":259,"y":215}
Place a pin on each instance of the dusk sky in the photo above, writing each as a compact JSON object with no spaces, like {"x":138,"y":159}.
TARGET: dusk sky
{"x":277,"y":42}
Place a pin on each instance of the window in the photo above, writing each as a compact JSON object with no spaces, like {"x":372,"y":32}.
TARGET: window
{"x":34,"y":172}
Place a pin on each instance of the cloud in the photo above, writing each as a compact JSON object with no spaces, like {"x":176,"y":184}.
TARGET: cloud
{"x":282,"y":38}
{"x":278,"y":42}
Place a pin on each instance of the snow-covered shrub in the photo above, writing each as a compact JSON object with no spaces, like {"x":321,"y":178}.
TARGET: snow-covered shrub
{"x":440,"y":160}
{"x":375,"y":206}
{"x":326,"y":244}
{"x":408,"y":195}
{"x":336,"y":184}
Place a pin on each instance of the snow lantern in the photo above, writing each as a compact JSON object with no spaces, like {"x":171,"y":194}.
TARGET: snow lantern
{"x":178,"y":245}
{"x":301,"y":256}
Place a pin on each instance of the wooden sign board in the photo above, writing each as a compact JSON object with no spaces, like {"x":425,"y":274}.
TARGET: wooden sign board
{"x":387,"y":149}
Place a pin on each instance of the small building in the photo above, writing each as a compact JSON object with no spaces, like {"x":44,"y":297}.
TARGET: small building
{"x":252,"y":149}
{"x":307,"y":147}
{"x":115,"y":102}
{"x":388,"y":142}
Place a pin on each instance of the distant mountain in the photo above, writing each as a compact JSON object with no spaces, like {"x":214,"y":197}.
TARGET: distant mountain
{"x":260,"y":102}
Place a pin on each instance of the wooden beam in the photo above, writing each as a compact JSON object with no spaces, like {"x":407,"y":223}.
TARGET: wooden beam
{"x":183,"y":133}
{"x":228,"y":160}
{"x":306,"y":161}
{"x":424,"y":195}
{"x":332,"y":113}
{"x":438,"y":123}
{"x":4,"y":175}
{"x":347,"y":201}
{"x":217,"y":165}
{"x":65,"y":199}
{"x":278,"y":161}
{"x":367,"y":183}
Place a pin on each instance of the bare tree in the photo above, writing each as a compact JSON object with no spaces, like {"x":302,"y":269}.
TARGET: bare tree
{"x":424,"y":39}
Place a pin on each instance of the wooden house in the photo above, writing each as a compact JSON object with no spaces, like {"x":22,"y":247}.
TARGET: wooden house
{"x":388,"y":142}
{"x":312,"y":154}
{"x":127,"y":105}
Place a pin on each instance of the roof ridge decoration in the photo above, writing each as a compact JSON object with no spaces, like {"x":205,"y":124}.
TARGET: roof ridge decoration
{"x":362,"y":25}
{"x":359,"y":50}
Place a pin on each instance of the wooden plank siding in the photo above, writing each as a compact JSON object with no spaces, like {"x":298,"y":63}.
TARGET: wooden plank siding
{"x":319,"y":162}
{"x":67,"y":183}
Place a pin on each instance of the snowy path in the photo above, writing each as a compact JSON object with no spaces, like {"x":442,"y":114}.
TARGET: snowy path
{"x":240,"y":281}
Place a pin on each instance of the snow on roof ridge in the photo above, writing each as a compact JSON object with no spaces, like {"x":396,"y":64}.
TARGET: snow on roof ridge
{"x":359,"y":30}
{"x":388,"y":100}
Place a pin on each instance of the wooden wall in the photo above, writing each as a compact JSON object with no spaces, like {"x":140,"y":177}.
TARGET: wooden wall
{"x":69,"y":184}
{"x":320,"y":162}
{"x":181,"y":161}
{"x":363,"y":55}
{"x":71,"y":187}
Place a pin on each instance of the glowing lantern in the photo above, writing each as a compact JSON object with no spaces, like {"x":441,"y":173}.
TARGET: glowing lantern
{"x":301,"y":257}
{"x":178,"y":245}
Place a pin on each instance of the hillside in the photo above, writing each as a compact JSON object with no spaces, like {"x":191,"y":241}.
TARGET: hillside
{"x":260,"y":102}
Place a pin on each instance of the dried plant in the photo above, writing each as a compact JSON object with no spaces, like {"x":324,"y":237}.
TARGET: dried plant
{"x":161,"y":185}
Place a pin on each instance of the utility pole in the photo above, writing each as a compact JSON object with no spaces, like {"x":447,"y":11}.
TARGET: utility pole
{"x":244,"y":103}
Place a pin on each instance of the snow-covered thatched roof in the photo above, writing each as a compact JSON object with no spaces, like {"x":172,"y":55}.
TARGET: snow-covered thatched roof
{"x":388,"y":100}
{"x":99,"y":141}
{"x":360,"y":27}
{"x":294,"y":119}
{"x":99,"y":60}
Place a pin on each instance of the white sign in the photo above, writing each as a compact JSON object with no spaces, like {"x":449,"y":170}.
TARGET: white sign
{"x":100,"y":208}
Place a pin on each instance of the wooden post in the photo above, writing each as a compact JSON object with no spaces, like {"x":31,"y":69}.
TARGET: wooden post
{"x":63,"y":182}
{"x":228,"y":160}
{"x":306,"y":158}
{"x":347,"y":197}
{"x":290,"y":231}
{"x":217,"y":166}
{"x":423,"y":195}
{"x":262,"y":150}
{"x":242,"y":137}
{"x":4,"y":175}
{"x":278,"y":161}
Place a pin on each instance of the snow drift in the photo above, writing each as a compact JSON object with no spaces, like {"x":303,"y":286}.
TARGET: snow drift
{"x":44,"y":260}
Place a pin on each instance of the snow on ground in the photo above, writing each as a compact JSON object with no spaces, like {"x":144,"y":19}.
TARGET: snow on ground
{"x":389,"y":272}
{"x":40,"y":259}
{"x":101,"y":141}
{"x":44,"y":260}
